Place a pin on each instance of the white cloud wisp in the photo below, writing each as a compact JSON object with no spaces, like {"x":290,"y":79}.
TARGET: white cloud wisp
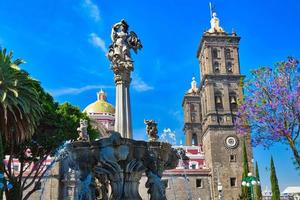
{"x":74,"y":91}
{"x":97,"y":42}
{"x":92,"y":9}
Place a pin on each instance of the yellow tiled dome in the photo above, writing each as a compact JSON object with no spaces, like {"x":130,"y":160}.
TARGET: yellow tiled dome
{"x":100,"y":106}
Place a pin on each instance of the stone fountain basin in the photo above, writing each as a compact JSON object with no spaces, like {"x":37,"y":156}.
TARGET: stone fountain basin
{"x":121,"y":162}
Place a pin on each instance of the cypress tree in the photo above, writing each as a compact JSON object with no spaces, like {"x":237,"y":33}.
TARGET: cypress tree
{"x":274,"y":182}
{"x":245,"y":191}
{"x":258,"y":187}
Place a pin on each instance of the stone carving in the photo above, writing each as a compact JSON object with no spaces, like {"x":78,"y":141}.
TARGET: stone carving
{"x":122,"y":42}
{"x":82,"y":130}
{"x":151,"y":129}
{"x":156,"y":187}
{"x":120,"y":162}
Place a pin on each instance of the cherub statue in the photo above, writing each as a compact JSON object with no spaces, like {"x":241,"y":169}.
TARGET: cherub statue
{"x":151,"y":129}
{"x":122,"y":42}
{"x":82,"y":130}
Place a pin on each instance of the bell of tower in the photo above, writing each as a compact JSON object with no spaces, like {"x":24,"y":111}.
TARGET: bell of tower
{"x":219,"y":92}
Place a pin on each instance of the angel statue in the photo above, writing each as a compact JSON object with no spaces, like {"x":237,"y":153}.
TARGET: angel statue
{"x":122,"y":42}
{"x":151,"y":129}
{"x":82,"y":130}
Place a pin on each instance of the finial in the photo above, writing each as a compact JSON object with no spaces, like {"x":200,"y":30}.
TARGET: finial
{"x":193,"y":88}
{"x":101,"y":95}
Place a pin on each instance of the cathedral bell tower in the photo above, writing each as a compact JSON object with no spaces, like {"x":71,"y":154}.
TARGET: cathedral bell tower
{"x":192,"y":117}
{"x":219,"y":92}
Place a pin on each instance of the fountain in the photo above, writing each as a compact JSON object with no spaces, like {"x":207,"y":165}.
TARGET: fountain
{"x":111,"y":167}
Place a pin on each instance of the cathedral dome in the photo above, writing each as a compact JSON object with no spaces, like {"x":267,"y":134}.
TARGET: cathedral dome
{"x":100,"y":106}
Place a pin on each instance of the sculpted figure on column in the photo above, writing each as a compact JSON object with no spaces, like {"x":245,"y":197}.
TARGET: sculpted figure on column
{"x":122,"y":42}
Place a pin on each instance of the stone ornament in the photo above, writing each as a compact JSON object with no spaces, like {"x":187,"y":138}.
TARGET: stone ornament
{"x":122,"y":42}
{"x":82,"y":130}
{"x":151,"y":129}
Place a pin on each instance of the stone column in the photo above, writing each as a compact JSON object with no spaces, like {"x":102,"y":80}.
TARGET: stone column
{"x":123,"y":110}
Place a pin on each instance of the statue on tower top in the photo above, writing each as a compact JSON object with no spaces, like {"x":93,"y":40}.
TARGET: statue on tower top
{"x":122,"y":42}
{"x":214,"y":22}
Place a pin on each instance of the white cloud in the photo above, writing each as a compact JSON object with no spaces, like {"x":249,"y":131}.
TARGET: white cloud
{"x":72,"y":91}
{"x":92,"y":9}
{"x":139,"y":85}
{"x":98,"y":42}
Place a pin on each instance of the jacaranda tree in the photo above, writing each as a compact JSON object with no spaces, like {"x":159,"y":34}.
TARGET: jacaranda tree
{"x":271,"y":106}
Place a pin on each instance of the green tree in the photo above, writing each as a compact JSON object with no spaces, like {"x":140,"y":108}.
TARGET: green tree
{"x":274,"y":182}
{"x":58,"y":124}
{"x":258,"y":186}
{"x":31,"y":121}
{"x":245,"y":191}
{"x":20,"y":110}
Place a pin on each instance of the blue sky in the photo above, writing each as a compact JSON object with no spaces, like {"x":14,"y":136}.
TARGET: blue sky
{"x":64,"y":44}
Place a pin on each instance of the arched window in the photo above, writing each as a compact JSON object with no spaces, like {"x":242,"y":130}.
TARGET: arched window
{"x":227,"y":54}
{"x":233,"y":101}
{"x":193,"y":117}
{"x":194,"y":139}
{"x":218,"y":101}
{"x":216,"y":67}
{"x":193,"y":108}
{"x":229,"y":67}
{"x":215,"y":53}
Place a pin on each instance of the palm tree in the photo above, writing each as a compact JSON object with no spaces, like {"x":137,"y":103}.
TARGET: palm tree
{"x":20,"y":109}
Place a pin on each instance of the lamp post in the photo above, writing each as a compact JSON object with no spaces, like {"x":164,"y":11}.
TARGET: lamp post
{"x":250,"y":181}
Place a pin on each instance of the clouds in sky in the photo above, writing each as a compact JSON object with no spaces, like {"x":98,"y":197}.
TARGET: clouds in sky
{"x":74,"y":91}
{"x":98,"y":42}
{"x":92,"y":9}
{"x":139,"y":85}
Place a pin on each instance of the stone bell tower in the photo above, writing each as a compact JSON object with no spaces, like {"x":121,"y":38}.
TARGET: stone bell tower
{"x":219,"y":92}
{"x":192,"y":117}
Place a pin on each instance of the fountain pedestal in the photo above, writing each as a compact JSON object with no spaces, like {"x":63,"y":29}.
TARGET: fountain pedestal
{"x":120,"y":162}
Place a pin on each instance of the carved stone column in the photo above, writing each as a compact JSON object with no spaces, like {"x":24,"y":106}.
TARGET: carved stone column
{"x":123,"y":110}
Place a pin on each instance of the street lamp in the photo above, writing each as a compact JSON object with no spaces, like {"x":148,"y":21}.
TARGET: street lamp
{"x":250,"y":181}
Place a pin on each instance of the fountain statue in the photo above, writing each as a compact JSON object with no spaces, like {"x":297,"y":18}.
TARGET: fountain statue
{"x":122,"y":65}
{"x":111,"y":167}
{"x":151,"y":130}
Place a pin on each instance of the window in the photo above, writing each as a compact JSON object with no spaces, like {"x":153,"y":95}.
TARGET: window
{"x":194,"y":139}
{"x":216,"y":67}
{"x":199,"y":183}
{"x":16,"y":167}
{"x":233,"y":182}
{"x":193,"y":108}
{"x":218,"y":101}
{"x":165,"y":183}
{"x":227,"y":54}
{"x":193,"y":166}
{"x":193,"y":117}
{"x":232,"y":158}
{"x":233,"y":101}
{"x":229,"y":67}
{"x":215,"y":53}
